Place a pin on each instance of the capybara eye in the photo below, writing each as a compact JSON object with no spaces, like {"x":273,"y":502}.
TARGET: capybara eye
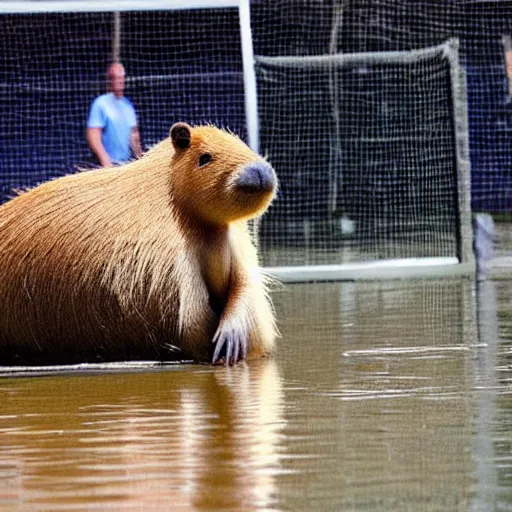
{"x":204,"y":159}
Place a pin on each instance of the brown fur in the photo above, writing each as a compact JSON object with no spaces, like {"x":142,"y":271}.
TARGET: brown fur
{"x":144,"y":261}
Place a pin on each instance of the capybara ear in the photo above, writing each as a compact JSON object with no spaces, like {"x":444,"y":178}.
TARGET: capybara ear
{"x":180,"y":134}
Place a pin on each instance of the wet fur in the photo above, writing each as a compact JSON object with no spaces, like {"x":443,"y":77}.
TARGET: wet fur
{"x":110,"y":264}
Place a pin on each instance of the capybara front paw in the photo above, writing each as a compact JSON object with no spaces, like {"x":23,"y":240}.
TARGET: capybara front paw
{"x":230,"y":346}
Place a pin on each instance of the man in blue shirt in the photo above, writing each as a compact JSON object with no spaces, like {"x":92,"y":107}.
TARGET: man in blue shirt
{"x":112,"y":132}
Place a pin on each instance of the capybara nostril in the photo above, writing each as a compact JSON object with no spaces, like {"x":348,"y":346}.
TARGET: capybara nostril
{"x":257,"y":177}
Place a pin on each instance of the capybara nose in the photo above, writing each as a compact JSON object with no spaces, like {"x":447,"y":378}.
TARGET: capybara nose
{"x":257,"y":177}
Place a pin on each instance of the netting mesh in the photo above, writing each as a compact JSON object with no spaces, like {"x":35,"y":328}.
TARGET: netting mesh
{"x":365,"y":152}
{"x":287,"y":27}
{"x":48,"y":75}
{"x":53,"y":65}
{"x":181,"y":70}
{"x":186,"y":65}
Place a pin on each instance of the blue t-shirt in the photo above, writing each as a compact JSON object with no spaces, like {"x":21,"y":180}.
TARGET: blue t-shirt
{"x":116,"y":117}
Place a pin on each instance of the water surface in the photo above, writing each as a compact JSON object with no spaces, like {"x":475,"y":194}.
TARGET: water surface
{"x":381,"y":396}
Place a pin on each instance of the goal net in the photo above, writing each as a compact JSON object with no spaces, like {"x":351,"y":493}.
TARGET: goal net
{"x":371,"y":153}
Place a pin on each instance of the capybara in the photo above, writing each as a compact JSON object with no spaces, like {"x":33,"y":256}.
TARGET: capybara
{"x":149,"y":260}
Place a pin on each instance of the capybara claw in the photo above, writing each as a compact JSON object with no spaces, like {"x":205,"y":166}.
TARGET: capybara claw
{"x":229,"y":350}
{"x":236,"y":352}
{"x":236,"y":347}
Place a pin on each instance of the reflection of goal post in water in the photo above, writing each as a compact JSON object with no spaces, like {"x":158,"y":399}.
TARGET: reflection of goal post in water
{"x":372,"y":154}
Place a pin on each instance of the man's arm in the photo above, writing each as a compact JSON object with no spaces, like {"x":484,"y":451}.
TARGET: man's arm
{"x":135,"y":142}
{"x":93,"y":136}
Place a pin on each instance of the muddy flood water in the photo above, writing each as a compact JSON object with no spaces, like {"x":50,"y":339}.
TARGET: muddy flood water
{"x":383,"y":396}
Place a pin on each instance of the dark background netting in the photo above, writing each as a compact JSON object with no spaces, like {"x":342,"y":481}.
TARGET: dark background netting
{"x":285,"y":28}
{"x":186,"y":65}
{"x":53,"y":65}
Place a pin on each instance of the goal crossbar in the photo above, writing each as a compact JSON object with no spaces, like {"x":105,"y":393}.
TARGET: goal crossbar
{"x":24,"y":7}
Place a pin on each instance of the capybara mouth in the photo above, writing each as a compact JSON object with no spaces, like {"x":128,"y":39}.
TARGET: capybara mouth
{"x":256,"y":177}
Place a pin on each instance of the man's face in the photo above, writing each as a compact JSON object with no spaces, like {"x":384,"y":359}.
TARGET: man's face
{"x":116,"y":78}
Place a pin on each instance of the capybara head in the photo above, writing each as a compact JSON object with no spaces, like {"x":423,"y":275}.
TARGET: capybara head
{"x":216,"y":177}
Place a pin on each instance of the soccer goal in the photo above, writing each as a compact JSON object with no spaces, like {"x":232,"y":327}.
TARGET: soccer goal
{"x":371,"y":151}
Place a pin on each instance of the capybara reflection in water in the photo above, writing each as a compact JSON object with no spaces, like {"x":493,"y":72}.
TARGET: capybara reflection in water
{"x":150,"y":260}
